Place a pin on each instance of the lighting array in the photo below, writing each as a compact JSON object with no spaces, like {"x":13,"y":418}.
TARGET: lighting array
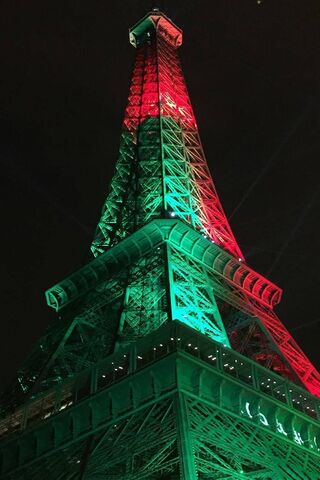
{"x":268,"y":383}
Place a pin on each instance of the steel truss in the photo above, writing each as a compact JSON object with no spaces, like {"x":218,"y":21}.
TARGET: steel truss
{"x":161,"y":170}
{"x":165,"y":271}
{"x":181,"y":417}
{"x":141,"y":375}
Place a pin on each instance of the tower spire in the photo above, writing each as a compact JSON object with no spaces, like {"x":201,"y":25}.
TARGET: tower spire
{"x":161,"y":170}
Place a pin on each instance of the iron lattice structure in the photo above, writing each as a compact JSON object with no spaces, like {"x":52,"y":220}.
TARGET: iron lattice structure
{"x":167,"y":360}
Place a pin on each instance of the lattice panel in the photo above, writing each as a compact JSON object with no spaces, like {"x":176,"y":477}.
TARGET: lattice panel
{"x":227,"y":448}
{"x":145,"y":305}
{"x":152,"y":443}
{"x":161,"y":170}
{"x":193,"y":301}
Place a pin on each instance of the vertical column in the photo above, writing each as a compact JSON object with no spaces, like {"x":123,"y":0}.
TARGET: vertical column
{"x":149,"y":194}
{"x":188,"y":470}
{"x":170,"y":282}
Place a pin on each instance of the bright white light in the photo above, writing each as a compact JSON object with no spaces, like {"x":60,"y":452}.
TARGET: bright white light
{"x":297,"y":437}
{"x":280,"y":428}
{"x":263,"y":419}
{"x":248,"y":409}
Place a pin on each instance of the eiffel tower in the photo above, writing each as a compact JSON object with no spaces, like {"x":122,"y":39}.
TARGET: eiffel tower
{"x":166,"y":360}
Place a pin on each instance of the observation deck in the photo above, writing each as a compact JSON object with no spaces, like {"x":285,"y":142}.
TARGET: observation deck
{"x":155,"y":21}
{"x":172,"y":359}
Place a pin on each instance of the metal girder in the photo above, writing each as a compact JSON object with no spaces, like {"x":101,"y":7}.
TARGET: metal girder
{"x":222,"y":276}
{"x":164,"y":271}
{"x":161,"y":169}
{"x":239,"y":275}
{"x":169,"y":338}
{"x":139,"y":426}
{"x":136,"y":379}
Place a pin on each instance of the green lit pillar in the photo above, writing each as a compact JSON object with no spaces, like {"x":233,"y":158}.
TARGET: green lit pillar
{"x":188,"y":469}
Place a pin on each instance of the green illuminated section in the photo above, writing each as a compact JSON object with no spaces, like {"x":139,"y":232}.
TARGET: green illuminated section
{"x":173,"y":405}
{"x":117,"y":220}
{"x":136,"y":378}
{"x":192,"y":298}
{"x":161,"y":170}
{"x":168,"y":285}
{"x":152,"y":179}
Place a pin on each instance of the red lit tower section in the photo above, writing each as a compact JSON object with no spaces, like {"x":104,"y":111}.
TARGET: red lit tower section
{"x":162,"y":172}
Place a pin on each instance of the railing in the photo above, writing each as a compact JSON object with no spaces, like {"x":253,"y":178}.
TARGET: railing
{"x":170,"y":338}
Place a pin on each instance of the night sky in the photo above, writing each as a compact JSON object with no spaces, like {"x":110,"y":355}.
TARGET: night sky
{"x":253,"y":73}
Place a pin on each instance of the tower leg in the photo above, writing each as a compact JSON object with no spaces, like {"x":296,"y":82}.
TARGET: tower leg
{"x":188,"y":470}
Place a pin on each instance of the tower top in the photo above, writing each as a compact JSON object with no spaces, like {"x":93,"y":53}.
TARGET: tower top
{"x":155,"y":21}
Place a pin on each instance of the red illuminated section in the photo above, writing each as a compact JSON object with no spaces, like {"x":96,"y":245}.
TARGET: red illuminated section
{"x":158,"y":91}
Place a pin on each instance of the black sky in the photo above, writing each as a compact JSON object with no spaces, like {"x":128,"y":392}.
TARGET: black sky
{"x":253,"y":73}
